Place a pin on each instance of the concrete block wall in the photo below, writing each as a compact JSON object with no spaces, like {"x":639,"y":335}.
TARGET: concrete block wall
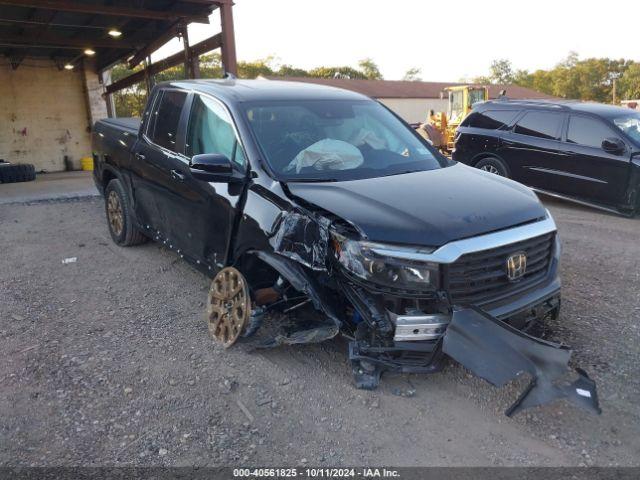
{"x":45,"y":114}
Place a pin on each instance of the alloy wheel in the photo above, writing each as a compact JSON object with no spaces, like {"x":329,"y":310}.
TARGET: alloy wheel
{"x":491,"y":169}
{"x":115,"y":213}
{"x":228,"y":306}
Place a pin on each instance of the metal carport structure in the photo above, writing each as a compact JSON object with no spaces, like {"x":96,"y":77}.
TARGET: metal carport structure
{"x":114,"y":30}
{"x":54,"y":55}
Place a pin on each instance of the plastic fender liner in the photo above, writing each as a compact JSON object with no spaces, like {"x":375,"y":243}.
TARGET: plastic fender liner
{"x":301,"y":281}
{"x":498,"y":353}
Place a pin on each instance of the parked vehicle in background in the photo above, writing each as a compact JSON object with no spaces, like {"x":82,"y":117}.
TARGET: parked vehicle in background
{"x":440,"y":127}
{"x":585,"y":152}
{"x":322,"y":202}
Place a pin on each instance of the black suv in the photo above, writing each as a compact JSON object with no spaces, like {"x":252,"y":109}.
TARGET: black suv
{"x":586,"y":152}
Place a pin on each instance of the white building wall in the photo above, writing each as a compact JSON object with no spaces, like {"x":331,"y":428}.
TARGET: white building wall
{"x":44,"y":114}
{"x":414,"y":110}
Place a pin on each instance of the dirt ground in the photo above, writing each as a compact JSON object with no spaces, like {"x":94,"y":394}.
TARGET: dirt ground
{"x":107,"y":361}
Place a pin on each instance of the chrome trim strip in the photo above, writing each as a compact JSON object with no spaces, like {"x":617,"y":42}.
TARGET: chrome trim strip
{"x":452,"y":251}
{"x":579,"y":202}
{"x":566,"y":174}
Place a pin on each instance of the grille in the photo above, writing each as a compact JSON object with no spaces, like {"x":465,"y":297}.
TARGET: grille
{"x":480,"y":277}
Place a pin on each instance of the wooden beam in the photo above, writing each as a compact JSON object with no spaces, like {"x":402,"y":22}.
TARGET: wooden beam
{"x":168,"y":35}
{"x":71,"y":6}
{"x":229,"y":62}
{"x":189,"y":60}
{"x":198,"y":49}
{"x":51,"y":41}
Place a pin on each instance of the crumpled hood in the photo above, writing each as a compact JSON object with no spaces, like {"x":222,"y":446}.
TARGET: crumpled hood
{"x":428,"y":208}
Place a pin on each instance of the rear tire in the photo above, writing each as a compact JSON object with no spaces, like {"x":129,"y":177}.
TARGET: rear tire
{"x":17,"y":173}
{"x":119,"y":217}
{"x":493,"y":165}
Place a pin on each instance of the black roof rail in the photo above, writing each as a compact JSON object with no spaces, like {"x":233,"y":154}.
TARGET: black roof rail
{"x":560,"y":104}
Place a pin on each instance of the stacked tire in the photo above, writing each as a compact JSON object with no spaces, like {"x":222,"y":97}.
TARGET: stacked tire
{"x":10,"y":173}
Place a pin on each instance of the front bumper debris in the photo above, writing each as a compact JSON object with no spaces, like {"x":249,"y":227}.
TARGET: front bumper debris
{"x":498,"y":353}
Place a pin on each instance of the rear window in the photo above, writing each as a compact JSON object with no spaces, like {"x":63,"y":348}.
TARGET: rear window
{"x":490,"y":119}
{"x":539,"y":124}
{"x":167,"y":113}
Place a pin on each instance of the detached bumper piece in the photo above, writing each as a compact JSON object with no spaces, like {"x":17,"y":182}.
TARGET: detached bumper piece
{"x":498,"y":353}
{"x":368,"y":363}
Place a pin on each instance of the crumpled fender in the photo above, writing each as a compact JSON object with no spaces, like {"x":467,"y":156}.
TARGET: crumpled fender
{"x":498,"y":353}
{"x":303,"y":237}
{"x":301,"y":281}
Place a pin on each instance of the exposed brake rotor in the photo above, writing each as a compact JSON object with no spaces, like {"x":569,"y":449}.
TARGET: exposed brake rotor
{"x":228,"y":306}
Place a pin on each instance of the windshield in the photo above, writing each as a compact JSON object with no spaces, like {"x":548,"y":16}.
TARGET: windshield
{"x":336,"y":140}
{"x":476,"y":95}
{"x":629,"y":124}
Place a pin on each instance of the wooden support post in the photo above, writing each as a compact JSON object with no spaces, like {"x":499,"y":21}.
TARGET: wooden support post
{"x":191,"y":64}
{"x":148,"y":77}
{"x":229,"y":61}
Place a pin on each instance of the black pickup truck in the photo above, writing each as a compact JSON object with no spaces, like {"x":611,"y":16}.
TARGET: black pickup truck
{"x":323,"y":204}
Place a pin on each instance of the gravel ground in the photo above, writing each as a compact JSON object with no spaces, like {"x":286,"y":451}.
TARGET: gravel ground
{"x":107,"y":361}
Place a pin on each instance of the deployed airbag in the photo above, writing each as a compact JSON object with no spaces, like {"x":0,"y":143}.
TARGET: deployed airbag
{"x":327,"y":154}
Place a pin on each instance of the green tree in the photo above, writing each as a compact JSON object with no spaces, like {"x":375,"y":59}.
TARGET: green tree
{"x":130,"y":102}
{"x":337,"y":72}
{"x":413,"y":75}
{"x":629,"y":83}
{"x":588,"y":79}
{"x":289,"y":71}
{"x":501,"y":72}
{"x":256,"y":68}
{"x":370,"y":69}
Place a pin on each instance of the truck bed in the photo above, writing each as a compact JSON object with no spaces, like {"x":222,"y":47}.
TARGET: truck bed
{"x":131,"y":125}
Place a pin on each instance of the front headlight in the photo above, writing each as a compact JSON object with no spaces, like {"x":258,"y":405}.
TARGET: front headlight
{"x":386,"y":265}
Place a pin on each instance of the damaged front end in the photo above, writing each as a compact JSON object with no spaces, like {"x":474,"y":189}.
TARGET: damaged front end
{"x":406,"y":326}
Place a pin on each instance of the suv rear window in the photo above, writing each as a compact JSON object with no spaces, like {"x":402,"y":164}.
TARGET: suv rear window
{"x":490,"y":119}
{"x":539,"y":124}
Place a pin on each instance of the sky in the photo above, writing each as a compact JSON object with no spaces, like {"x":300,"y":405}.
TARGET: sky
{"x":449,"y":41}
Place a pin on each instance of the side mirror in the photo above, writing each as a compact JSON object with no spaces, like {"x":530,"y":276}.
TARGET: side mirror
{"x":613,"y":145}
{"x":214,"y":167}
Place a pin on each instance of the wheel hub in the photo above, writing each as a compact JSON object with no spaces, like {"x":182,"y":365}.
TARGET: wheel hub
{"x":228,"y":306}
{"x":115,"y":214}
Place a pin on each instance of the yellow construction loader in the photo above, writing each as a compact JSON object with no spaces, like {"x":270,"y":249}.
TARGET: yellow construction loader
{"x":440,"y":128}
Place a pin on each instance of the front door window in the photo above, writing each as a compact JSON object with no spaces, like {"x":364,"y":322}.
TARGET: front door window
{"x":211,"y":131}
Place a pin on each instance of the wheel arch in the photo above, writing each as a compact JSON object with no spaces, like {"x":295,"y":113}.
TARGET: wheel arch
{"x":108,"y":174}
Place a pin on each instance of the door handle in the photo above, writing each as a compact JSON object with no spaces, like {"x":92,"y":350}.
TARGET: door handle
{"x":176,"y":175}
{"x":140,"y":156}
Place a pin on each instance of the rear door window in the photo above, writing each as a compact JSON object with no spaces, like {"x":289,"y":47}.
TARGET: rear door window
{"x":540,"y":125}
{"x":587,"y":131}
{"x":167,"y":113}
{"x":490,"y":119}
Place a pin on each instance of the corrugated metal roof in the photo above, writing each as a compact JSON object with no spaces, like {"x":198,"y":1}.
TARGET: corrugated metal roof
{"x":36,"y":28}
